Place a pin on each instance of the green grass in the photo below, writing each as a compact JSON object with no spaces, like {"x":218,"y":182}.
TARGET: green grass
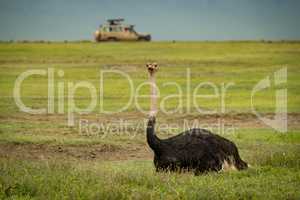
{"x":243,"y":63}
{"x":275,"y":157}
{"x":137,"y":180}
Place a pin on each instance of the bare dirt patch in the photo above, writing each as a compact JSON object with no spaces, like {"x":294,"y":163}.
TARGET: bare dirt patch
{"x":68,"y":152}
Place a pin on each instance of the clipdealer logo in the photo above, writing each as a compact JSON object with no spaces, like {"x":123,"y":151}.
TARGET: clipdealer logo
{"x":279,"y":79}
{"x":279,"y":121}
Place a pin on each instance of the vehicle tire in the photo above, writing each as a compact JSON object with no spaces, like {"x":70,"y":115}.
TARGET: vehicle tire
{"x":145,"y":39}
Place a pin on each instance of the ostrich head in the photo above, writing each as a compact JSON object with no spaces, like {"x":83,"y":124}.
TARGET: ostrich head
{"x":152,"y":68}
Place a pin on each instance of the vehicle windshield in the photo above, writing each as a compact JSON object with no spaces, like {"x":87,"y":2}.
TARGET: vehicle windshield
{"x":132,"y":30}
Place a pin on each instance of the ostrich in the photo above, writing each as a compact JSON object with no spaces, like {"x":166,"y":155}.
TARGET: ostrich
{"x":196,"y":150}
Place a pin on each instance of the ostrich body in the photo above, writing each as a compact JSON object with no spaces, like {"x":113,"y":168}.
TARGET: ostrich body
{"x":198,"y":150}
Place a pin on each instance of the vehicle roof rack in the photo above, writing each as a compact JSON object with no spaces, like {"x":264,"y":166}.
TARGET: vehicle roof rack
{"x":115,"y":21}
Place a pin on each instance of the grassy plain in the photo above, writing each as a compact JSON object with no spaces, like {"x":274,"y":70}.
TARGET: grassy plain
{"x":43,"y":158}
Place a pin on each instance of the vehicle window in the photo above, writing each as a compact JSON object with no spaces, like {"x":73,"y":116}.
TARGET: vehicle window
{"x":116,"y":29}
{"x":105,"y":29}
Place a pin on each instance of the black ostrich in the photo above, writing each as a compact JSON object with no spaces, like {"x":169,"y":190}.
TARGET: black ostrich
{"x":198,"y":150}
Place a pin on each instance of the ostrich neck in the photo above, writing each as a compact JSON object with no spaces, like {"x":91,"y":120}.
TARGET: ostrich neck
{"x":153,"y":141}
{"x":153,"y":102}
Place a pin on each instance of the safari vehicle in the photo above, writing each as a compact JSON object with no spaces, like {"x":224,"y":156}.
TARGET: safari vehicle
{"x":115,"y":30}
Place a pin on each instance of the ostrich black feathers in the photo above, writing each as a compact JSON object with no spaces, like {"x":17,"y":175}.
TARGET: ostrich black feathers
{"x":197,"y":149}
